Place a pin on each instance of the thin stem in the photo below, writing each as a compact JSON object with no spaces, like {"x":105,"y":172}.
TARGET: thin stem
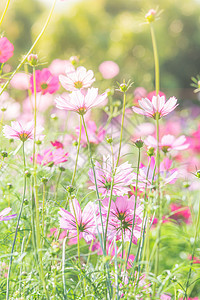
{"x":115,"y":169}
{"x":77,"y":154}
{"x":43,"y":206}
{"x":95,"y":179}
{"x":101,"y":219}
{"x":193,"y":251}
{"x":78,"y":233}
{"x":16,"y":230}
{"x":31,"y":49}
{"x":37,"y":223}
{"x":157,"y":87}
{"x":136,"y":193}
{"x":4,"y":12}
{"x":63,"y":268}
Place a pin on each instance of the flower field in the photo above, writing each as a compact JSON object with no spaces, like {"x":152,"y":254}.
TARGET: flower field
{"x":100,"y":179}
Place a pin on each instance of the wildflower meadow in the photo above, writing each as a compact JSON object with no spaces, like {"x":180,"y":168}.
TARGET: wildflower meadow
{"x":99,"y":167}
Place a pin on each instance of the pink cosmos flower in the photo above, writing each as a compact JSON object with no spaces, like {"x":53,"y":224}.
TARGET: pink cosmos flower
{"x":6,"y":49}
{"x":77,"y":79}
{"x":4,"y":212}
{"x":167,"y":174}
{"x":139,"y":93}
{"x":123,"y":177}
{"x":85,"y":220}
{"x":59,"y":66}
{"x":168,"y":142}
{"x":57,"y":144}
{"x":20,"y":81}
{"x":121,"y":218}
{"x":95,"y":136}
{"x":45,"y":82}
{"x":109,"y":69}
{"x":21,"y":132}
{"x":157,"y":105}
{"x":52,"y":157}
{"x":196,"y":260}
{"x":153,"y":93}
{"x":80,"y":102}
{"x":181,"y":214}
{"x":194,"y":140}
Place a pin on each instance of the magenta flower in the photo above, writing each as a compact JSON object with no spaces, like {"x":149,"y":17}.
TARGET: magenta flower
{"x":4,"y":212}
{"x":6,"y":49}
{"x":79,"y":102}
{"x":95,"y":136}
{"x":77,"y":79}
{"x":121,"y":218}
{"x":85,"y":220}
{"x":180,"y":213}
{"x":57,"y":144}
{"x":123,"y":177}
{"x":168,"y":142}
{"x":21,"y":132}
{"x":157,"y":105}
{"x":52,"y":157}
{"x":45,"y":82}
{"x":109,"y":69}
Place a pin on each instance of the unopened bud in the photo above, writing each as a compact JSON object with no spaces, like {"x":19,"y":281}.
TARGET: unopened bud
{"x":150,"y":16}
{"x":44,"y":180}
{"x":32,"y":59}
{"x":198,"y":174}
{"x":139,"y":143}
{"x":109,"y":139}
{"x":150,"y":151}
{"x":4,"y":154}
{"x":70,"y":189}
{"x":74,"y":60}
{"x":62,"y":169}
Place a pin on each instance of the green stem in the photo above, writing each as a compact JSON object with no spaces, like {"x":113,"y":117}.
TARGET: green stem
{"x":4,"y":12}
{"x":193,"y":251}
{"x":115,"y":169}
{"x":77,"y":154}
{"x":157,"y":87}
{"x":136,"y":193}
{"x":95,"y":179}
{"x":43,"y":206}
{"x":37,"y":223}
{"x":16,"y":230}
{"x":101,"y":218}
{"x":78,"y":233}
{"x":31,"y":49}
{"x":63,"y":268}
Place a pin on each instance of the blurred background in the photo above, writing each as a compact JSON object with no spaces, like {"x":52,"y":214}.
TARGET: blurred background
{"x":98,"y":30}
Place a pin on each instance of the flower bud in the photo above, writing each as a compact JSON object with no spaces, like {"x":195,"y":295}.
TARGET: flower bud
{"x":74,"y":60}
{"x":32,"y":59}
{"x":139,"y":143}
{"x":109,"y":139}
{"x":38,"y":142}
{"x":75,"y":143}
{"x":62,"y":169}
{"x":54,"y":117}
{"x":150,"y":151}
{"x":4,"y":154}
{"x":186,"y":185}
{"x":198,"y":174}
{"x":150,"y":16}
{"x":70,"y":189}
{"x":9,"y":186}
{"x":44,"y":180}
{"x":27,"y":174}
